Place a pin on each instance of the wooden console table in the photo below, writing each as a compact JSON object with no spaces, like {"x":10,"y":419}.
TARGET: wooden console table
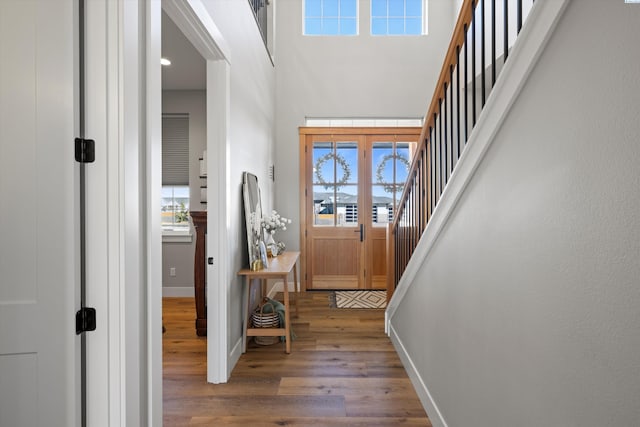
{"x":199,"y":271}
{"x":279,"y":268}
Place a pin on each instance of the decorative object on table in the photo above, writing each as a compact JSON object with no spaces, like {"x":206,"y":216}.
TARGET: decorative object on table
{"x":358,"y":299}
{"x":270,"y":224}
{"x":268,"y":306}
{"x":253,"y":216}
{"x":263,"y":254}
{"x":257,"y":265}
{"x":265,"y":316}
{"x":272,"y":250}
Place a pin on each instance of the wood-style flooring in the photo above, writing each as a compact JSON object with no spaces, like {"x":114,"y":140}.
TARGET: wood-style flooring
{"x":342,"y":371}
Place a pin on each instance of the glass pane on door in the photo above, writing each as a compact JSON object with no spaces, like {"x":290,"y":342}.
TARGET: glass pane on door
{"x":382,"y":205}
{"x":390,"y":163}
{"x":404,"y":155}
{"x":335,"y":184}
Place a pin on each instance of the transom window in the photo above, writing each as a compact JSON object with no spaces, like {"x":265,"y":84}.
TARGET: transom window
{"x":397,"y":17}
{"x":330,"y":17}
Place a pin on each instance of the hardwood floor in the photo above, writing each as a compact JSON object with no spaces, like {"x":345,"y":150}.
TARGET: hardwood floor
{"x":342,"y":371}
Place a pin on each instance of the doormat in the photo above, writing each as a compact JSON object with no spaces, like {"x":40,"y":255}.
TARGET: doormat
{"x":358,"y":299}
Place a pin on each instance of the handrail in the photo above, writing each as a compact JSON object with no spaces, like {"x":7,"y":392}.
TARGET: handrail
{"x":452,"y":114}
{"x":259,"y":9}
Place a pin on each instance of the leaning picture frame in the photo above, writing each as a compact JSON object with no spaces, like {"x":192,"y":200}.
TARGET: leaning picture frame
{"x":253,"y":215}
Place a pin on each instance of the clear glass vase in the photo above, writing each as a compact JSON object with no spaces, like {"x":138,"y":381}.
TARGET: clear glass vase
{"x":271,"y":244}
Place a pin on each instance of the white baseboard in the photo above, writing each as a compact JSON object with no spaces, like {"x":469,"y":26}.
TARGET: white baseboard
{"x":178,"y":291}
{"x":436,"y":418}
{"x":234,"y":356}
{"x":277,"y":287}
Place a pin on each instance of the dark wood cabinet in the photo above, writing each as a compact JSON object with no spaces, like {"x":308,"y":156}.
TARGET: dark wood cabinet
{"x":199,"y":271}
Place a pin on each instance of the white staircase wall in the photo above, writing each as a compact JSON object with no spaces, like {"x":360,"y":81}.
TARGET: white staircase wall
{"x":524,"y":310}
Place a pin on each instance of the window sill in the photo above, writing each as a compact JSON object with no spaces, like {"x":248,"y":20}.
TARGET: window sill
{"x":169,"y":236}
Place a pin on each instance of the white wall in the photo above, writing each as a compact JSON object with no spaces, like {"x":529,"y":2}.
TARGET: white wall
{"x":251,"y":132}
{"x":192,"y":102}
{"x":526,"y":310}
{"x":179,"y":255}
{"x":355,"y":76}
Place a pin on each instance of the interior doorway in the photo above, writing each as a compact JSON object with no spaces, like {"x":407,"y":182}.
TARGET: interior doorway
{"x":351,"y":182}
{"x":194,"y":22}
{"x":184,"y":141}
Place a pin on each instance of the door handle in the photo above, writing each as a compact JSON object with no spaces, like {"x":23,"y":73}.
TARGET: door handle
{"x":361,"y":231}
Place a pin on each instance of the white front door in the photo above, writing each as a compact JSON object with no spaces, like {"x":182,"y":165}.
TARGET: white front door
{"x":38,"y":215}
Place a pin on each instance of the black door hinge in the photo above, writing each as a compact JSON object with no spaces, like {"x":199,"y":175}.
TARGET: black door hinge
{"x":85,"y":320}
{"x":85,"y":150}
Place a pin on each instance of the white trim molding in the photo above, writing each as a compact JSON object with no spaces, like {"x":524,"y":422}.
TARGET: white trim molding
{"x":194,"y":21}
{"x":431,"y":408}
{"x":153,"y":171}
{"x":177,"y":237}
{"x":219,"y":361}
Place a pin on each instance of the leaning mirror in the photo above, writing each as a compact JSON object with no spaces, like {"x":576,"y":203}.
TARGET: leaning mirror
{"x":253,"y":214}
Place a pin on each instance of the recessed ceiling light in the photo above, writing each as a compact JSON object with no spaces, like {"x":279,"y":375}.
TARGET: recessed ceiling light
{"x":164,"y":61}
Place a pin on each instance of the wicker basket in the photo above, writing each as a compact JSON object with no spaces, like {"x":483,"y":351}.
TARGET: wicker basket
{"x":260,"y":319}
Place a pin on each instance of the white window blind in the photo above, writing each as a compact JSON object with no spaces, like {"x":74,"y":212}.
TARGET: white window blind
{"x":175,"y":149}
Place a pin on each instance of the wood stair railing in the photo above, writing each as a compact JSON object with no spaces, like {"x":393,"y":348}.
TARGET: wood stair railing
{"x":479,"y":48}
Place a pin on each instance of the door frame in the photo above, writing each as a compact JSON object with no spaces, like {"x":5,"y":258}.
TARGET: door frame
{"x":124,"y":280}
{"x":304,"y":132}
{"x":192,"y":18}
{"x":123,"y":231}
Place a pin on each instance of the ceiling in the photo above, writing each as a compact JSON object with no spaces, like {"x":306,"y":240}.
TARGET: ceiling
{"x":188,"y":68}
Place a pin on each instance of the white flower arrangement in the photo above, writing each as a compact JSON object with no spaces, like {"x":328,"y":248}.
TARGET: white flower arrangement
{"x":274,"y":222}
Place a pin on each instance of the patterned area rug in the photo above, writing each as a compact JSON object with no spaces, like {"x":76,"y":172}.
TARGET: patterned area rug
{"x":358,"y":299}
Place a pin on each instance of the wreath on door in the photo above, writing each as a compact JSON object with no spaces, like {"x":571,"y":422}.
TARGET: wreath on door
{"x":390,"y":188}
{"x":346,"y":171}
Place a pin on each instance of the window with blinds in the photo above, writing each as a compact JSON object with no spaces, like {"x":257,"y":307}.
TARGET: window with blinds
{"x":175,"y":149}
{"x":175,"y":172}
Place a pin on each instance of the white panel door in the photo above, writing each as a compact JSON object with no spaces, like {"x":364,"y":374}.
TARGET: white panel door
{"x":38,"y":214}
